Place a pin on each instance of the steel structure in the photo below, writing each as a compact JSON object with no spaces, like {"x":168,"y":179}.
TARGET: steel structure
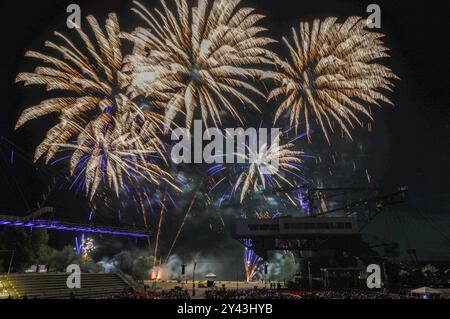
{"x":311,"y":233}
{"x":25,"y":222}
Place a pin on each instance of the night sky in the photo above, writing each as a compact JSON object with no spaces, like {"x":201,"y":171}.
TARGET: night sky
{"x":410,"y":144}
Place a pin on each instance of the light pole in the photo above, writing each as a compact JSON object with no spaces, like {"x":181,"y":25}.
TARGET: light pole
{"x":309,"y":275}
{"x":193,"y":279}
{"x":193,"y":273}
{"x":183,"y":273}
{"x":11,"y":260}
{"x":266,"y":272}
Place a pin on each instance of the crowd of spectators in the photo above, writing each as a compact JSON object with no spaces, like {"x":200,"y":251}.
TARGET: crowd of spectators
{"x":176,"y":293}
{"x":277,"y":294}
{"x":179,"y":293}
{"x":246,"y":294}
{"x":347,"y":294}
{"x":183,"y":294}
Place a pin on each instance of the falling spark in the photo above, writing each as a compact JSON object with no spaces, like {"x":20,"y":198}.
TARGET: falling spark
{"x":161,"y":219}
{"x":144,"y":217}
{"x":369,"y":179}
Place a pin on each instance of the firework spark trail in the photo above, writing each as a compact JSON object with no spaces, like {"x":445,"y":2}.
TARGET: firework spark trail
{"x":198,"y":58}
{"x":144,"y":217}
{"x":191,"y":205}
{"x":331,"y":74}
{"x":161,"y":218}
{"x":252,"y":262}
{"x":78,"y":245}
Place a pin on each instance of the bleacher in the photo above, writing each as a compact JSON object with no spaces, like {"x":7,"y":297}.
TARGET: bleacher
{"x":54,"y":286}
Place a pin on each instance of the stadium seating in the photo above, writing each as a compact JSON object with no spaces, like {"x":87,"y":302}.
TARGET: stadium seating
{"x":54,"y":286}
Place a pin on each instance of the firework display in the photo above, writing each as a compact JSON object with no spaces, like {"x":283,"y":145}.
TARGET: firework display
{"x":252,"y":262}
{"x":263,"y":170}
{"x":91,"y":78}
{"x":269,"y":163}
{"x":333,"y":75}
{"x":198,"y":57}
{"x":85,"y":247}
{"x":120,"y":137}
{"x":119,"y":96}
{"x":114,"y":150}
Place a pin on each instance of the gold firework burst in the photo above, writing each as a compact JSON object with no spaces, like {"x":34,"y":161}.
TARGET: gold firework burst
{"x":114,"y":148}
{"x":90,"y":78}
{"x":198,"y":57}
{"x":333,"y":75}
{"x":269,"y":163}
{"x":263,"y":214}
